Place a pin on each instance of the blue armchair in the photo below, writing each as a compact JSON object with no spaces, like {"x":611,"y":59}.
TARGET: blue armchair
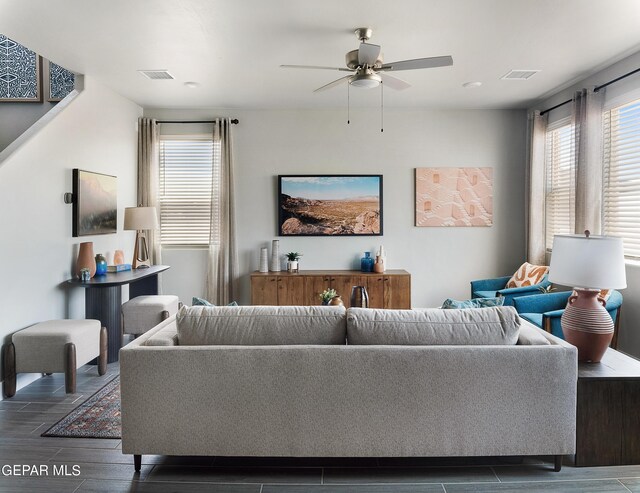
{"x":545,"y":310}
{"x":492,"y":288}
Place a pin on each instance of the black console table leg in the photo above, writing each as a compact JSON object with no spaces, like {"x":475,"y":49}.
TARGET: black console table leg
{"x":105,"y":304}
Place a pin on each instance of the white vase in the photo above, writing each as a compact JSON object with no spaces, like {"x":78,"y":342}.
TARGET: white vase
{"x":275,"y":256}
{"x":264,"y":260}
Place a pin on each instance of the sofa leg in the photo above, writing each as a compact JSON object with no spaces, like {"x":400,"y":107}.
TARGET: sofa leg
{"x":137,"y":462}
{"x":70,"y":368}
{"x":102,"y":359}
{"x":9,"y":369}
{"x":558,"y":463}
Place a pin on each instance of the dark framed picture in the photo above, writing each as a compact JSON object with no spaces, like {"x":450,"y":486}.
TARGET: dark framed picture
{"x":20,"y":73}
{"x":95,"y":203}
{"x":330,"y":205}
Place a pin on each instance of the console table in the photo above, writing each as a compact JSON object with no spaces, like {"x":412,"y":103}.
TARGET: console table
{"x":103,"y":299}
{"x":607,"y":427}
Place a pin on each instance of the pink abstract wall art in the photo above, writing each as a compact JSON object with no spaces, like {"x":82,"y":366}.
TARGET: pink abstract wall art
{"x":454,"y":197}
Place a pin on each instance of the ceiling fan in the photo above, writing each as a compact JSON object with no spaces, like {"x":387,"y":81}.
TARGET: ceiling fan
{"x":367,"y":68}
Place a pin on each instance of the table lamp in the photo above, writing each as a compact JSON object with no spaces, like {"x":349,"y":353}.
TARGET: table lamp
{"x":140,"y":219}
{"x":589,"y":264}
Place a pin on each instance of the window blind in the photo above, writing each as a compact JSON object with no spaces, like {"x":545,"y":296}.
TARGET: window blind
{"x":559,"y":181}
{"x":621,"y":203}
{"x":188,"y":181}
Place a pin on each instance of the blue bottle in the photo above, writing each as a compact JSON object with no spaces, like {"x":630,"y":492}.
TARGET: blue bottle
{"x":101,"y":265}
{"x":366,"y":263}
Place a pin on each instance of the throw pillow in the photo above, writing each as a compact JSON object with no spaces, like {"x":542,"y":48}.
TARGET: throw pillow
{"x":195,"y":301}
{"x":527,"y":275}
{"x":473,"y":303}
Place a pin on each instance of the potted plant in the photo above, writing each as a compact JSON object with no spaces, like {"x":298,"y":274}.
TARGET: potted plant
{"x":292,"y":261}
{"x":327,"y":295}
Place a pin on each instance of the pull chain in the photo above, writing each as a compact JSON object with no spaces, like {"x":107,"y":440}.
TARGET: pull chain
{"x":348,"y":103}
{"x":381,"y":107}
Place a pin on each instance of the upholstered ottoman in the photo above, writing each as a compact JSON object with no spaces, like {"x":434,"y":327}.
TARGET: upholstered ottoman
{"x":142,"y":313}
{"x":54,"y":346}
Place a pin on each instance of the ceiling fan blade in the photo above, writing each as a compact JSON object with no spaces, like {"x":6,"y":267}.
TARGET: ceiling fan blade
{"x":394,"y":82}
{"x":332,"y":84}
{"x":368,"y":54}
{"x":318,"y":67}
{"x":436,"y":61}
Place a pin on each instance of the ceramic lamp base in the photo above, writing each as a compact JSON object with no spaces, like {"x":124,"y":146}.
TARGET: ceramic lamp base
{"x":587,"y":325}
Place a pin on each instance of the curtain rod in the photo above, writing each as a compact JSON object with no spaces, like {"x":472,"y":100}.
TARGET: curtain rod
{"x":596,"y":89}
{"x":234,"y":121}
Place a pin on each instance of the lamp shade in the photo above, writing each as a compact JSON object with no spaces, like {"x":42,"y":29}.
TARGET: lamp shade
{"x":594,"y":262}
{"x":140,"y":218}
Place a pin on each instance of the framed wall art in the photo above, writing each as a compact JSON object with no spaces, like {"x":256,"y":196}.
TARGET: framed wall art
{"x":95,"y":208}
{"x":454,"y":197}
{"x":330,"y":205}
{"x":59,"y":81}
{"x":20,"y":73}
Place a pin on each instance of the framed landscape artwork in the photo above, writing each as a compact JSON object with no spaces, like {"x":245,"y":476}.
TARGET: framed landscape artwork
{"x":330,"y":205}
{"x":95,"y":208}
{"x":454,"y":196}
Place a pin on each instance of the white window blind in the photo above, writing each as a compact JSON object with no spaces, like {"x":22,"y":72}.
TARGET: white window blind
{"x":188,"y":179}
{"x":560,"y":181}
{"x":621,"y":214}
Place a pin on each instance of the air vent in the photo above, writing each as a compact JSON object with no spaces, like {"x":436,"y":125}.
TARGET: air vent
{"x":519,"y":74}
{"x":156,"y":74}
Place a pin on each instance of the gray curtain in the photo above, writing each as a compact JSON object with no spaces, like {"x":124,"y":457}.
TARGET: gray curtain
{"x":587,"y":120}
{"x":535,"y":189}
{"x":222,"y":268}
{"x":148,"y":177}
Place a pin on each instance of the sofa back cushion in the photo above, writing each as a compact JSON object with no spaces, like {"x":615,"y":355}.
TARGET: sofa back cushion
{"x":261,"y":325}
{"x":473,"y":326}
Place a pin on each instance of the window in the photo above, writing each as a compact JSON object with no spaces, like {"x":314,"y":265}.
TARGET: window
{"x":621,"y":201}
{"x":560,"y":181}
{"x":188,"y":168}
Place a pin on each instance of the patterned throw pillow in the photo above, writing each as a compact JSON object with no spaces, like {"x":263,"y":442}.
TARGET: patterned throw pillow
{"x":195,"y":301}
{"x":473,"y":303}
{"x":527,"y":275}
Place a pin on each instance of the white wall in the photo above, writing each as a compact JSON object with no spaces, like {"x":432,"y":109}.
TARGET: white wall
{"x":442,"y":261}
{"x":96,"y":132}
{"x":618,"y":93}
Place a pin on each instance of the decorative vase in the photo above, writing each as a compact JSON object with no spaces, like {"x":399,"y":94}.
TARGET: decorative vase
{"x":86,"y":258}
{"x":118,"y":257}
{"x":101,"y":265}
{"x":359,"y":297}
{"x":587,"y":325}
{"x":378,"y":267}
{"x":275,"y":256}
{"x":335,"y":301}
{"x":264,"y":260}
{"x":366,"y":263}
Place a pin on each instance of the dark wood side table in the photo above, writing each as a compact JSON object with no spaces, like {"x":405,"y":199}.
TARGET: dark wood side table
{"x":608,"y":427}
{"x":103,"y":299}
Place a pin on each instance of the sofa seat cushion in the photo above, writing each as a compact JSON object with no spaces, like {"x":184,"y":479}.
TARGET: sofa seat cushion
{"x":472,"y":326}
{"x":261,"y":325}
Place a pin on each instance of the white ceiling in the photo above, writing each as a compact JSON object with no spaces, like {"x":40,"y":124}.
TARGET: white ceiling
{"x":233,"y":48}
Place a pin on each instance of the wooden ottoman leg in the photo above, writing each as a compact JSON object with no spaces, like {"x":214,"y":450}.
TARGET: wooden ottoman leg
{"x":102,"y":359}
{"x":164,"y":315}
{"x":9,"y":369}
{"x":137,"y":462}
{"x":70,"y":368}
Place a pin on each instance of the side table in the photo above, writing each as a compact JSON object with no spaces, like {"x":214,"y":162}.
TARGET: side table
{"x":608,"y":428}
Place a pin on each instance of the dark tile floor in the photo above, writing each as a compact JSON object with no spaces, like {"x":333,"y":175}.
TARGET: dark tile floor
{"x":103,"y":468}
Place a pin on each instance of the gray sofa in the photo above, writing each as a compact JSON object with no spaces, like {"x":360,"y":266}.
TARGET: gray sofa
{"x":281,"y":381}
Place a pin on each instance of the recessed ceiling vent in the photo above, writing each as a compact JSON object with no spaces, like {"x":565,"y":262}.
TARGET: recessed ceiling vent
{"x":156,"y":74}
{"x":519,"y":74}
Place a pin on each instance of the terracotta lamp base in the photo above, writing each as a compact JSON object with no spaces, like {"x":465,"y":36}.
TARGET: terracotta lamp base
{"x":587,"y":325}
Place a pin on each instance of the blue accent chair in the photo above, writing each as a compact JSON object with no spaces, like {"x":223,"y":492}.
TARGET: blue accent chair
{"x":493,"y":288}
{"x":545,"y":310}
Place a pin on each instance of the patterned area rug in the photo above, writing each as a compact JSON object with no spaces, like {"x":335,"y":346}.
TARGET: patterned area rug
{"x":97,"y":417}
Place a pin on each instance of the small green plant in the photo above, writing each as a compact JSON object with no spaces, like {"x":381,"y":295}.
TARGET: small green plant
{"x":546,"y":289}
{"x":328,"y":294}
{"x":293,"y":256}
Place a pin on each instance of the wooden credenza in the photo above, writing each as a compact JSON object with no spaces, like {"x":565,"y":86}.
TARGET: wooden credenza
{"x":391,"y":289}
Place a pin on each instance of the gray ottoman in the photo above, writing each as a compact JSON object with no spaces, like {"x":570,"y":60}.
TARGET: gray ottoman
{"x":145,"y":312}
{"x":54,"y":346}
